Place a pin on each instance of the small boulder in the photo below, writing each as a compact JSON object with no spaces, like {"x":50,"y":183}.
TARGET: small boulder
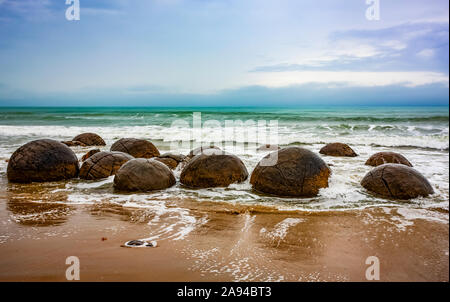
{"x":338,"y":149}
{"x":169,"y":162}
{"x":89,"y":154}
{"x":297,"y":172}
{"x":73,"y":143}
{"x":103,"y":164}
{"x":171,"y":159}
{"x":207,"y":170}
{"x":381,"y":158}
{"x":202,"y":149}
{"x":139,"y":148}
{"x":90,"y":139}
{"x":143,"y":174}
{"x":396,"y":181}
{"x":42,"y":160}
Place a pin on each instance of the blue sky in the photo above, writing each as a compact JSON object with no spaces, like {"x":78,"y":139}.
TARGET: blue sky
{"x":223,"y":52}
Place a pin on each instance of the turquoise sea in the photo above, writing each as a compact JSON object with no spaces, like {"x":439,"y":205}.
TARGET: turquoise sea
{"x":419,"y":133}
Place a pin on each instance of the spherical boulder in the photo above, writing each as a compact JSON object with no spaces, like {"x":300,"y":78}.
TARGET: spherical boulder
{"x":103,"y":164}
{"x":296,"y":172}
{"x":142,"y":174}
{"x":338,"y":149}
{"x":381,"y":158}
{"x":90,"y":139}
{"x":203,"y":149}
{"x":396,"y":181}
{"x":213,"y":169}
{"x":139,"y":148}
{"x":42,"y":160}
{"x":89,"y":154}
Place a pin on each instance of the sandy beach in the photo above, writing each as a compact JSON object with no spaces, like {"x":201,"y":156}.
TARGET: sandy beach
{"x":235,"y":243}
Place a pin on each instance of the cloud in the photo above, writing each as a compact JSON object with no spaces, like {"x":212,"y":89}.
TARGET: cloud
{"x":388,"y":49}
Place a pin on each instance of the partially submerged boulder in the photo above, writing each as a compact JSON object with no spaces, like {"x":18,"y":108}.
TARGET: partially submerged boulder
{"x":396,"y":181}
{"x":171,"y":159}
{"x":338,"y":149}
{"x":297,"y":172}
{"x":381,"y":158}
{"x":73,"y":143}
{"x":103,"y":164}
{"x":89,"y":154}
{"x":42,"y":160}
{"x":90,"y":139}
{"x":143,"y":174}
{"x":207,"y":170}
{"x":138,"y":148}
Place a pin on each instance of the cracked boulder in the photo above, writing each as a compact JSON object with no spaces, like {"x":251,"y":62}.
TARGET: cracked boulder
{"x":103,"y":164}
{"x":42,"y":160}
{"x":396,"y":181}
{"x":138,"y":148}
{"x":338,"y":149}
{"x":213,"y":169}
{"x":89,"y":154}
{"x":381,"y":158}
{"x":142,"y":174}
{"x":89,"y":139}
{"x":295,"y":172}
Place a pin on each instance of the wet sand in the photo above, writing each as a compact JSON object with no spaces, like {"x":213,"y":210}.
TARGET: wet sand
{"x":235,"y":243}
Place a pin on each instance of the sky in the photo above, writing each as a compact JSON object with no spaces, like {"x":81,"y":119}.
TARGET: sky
{"x":224,"y":53}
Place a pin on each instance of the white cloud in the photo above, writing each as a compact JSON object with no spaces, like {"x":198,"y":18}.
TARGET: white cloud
{"x":426,"y":53}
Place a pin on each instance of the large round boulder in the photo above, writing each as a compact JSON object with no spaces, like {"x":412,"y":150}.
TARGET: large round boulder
{"x":213,"y":169}
{"x":103,"y":164}
{"x":338,"y":149}
{"x":89,"y":139}
{"x":295,"y":172}
{"x":143,"y":174}
{"x":42,"y":160}
{"x":139,"y":148}
{"x":203,"y":149}
{"x":381,"y":158}
{"x":396,"y":181}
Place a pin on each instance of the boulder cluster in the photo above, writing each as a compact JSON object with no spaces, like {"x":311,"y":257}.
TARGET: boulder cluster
{"x":137,"y":165}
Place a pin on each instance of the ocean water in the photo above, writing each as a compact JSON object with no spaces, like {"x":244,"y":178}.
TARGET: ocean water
{"x":419,"y":133}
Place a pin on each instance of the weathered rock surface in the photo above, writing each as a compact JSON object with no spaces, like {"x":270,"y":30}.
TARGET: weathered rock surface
{"x":338,"y":149}
{"x":207,"y":170}
{"x":103,"y":164}
{"x":143,"y":174}
{"x":90,"y":139}
{"x":42,"y":160}
{"x":381,"y":158}
{"x":297,"y":172}
{"x":169,"y":162}
{"x":396,"y":181}
{"x":73,"y":143}
{"x":139,"y":148}
{"x":89,"y":154}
